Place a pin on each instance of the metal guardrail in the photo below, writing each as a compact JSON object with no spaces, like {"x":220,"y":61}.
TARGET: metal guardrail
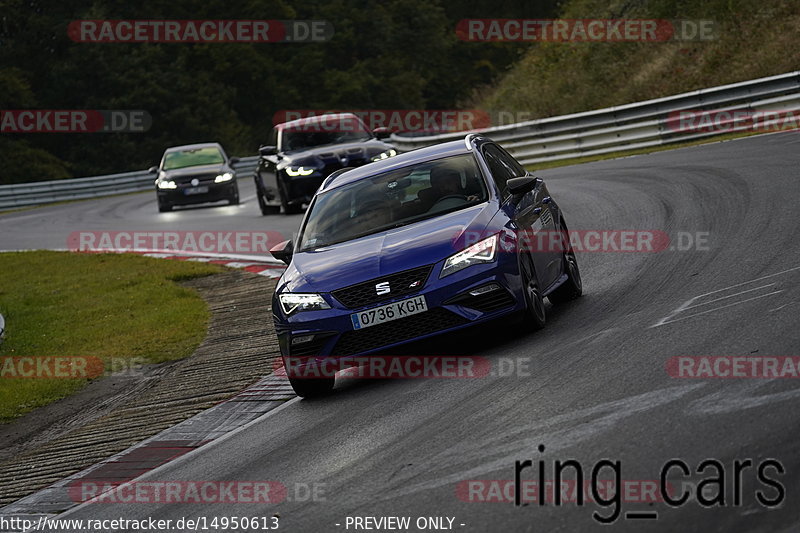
{"x":626,"y":127}
{"x":631,"y":126}
{"x":2,"y":329}
{"x":45,"y":192}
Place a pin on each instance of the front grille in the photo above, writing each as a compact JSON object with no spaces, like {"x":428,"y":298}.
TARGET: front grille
{"x":204,"y":179}
{"x":362,"y":340}
{"x":400,"y":284}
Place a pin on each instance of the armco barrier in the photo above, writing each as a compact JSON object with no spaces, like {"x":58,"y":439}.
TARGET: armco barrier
{"x":631,"y":126}
{"x":44,"y":192}
{"x":626,"y":127}
{"x":2,"y":329}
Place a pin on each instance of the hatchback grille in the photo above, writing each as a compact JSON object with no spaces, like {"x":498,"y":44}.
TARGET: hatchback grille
{"x":400,"y":284}
{"x":362,"y":340}
{"x":203,"y":179}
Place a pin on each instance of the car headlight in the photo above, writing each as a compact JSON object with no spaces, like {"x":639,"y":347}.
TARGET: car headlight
{"x":483,"y":251}
{"x":385,"y":155}
{"x":291,"y":302}
{"x":167,"y":184}
{"x":228,"y":176}
{"x":299,"y":171}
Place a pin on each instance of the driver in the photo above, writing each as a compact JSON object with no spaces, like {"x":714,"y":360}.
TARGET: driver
{"x":445,"y":181}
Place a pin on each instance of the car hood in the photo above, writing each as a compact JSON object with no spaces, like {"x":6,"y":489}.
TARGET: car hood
{"x":387,"y":252}
{"x":343,"y":155}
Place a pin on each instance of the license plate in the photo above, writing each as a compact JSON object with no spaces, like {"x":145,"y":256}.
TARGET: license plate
{"x":387,"y":313}
{"x":195,"y":190}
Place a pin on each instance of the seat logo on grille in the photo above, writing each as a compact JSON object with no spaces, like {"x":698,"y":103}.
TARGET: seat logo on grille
{"x":382,"y":288}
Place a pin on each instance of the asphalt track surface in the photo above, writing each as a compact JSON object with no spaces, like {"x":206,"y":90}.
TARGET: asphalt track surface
{"x":595,"y":386}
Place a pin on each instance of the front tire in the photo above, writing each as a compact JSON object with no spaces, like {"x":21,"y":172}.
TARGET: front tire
{"x":288,"y":209}
{"x":267,"y":209}
{"x":312,"y":387}
{"x":534,"y":315}
{"x":164,"y":207}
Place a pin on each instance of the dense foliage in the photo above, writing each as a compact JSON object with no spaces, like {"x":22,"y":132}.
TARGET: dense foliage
{"x":388,"y":54}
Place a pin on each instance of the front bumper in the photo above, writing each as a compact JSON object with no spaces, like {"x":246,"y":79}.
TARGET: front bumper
{"x":216,"y":192}
{"x":450,"y":308}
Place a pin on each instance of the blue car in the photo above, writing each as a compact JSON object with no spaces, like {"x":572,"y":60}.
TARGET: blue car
{"x":420,"y":244}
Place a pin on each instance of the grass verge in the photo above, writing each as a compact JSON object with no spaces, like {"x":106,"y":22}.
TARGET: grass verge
{"x":115,"y":307}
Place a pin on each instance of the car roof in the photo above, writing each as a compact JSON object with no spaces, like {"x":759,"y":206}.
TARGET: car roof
{"x":317,"y":118}
{"x":193,"y":147}
{"x":414,"y":157}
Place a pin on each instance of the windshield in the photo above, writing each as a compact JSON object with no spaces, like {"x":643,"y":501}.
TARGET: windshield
{"x":393,"y":199}
{"x":191,"y":158}
{"x":322,"y":131}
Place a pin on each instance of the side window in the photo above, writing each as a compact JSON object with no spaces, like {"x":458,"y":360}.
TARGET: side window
{"x":508,"y":161}
{"x":502,"y":166}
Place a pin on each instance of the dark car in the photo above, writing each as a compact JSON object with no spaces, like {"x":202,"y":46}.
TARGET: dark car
{"x":195,"y":174}
{"x":425,"y":243}
{"x":303,"y":152}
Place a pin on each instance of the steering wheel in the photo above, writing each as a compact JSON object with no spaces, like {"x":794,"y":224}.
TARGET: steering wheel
{"x":451,"y":196}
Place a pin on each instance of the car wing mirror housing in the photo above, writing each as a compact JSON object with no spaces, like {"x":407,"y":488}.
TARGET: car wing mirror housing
{"x":382,"y":133}
{"x":522,"y":185}
{"x":268,"y":149}
{"x":283,"y":251}
{"x":152,"y":170}
{"x":233,"y":160}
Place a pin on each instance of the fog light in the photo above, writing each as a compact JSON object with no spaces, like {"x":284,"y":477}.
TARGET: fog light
{"x":302,"y":339}
{"x":483,"y":290}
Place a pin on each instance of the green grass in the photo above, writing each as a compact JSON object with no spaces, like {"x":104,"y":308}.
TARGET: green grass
{"x":110,"y":306}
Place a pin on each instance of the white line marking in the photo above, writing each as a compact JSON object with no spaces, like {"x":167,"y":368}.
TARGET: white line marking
{"x":716,"y":308}
{"x":729,"y":296}
{"x":751,"y":281}
{"x":688,"y":303}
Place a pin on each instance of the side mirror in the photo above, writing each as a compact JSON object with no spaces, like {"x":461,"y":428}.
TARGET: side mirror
{"x":522,"y":185}
{"x":283,"y":251}
{"x":233,"y":160}
{"x":382,"y":133}
{"x":268,"y":150}
{"x":152,"y":170}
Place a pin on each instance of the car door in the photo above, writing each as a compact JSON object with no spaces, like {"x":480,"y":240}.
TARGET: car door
{"x":532,"y":215}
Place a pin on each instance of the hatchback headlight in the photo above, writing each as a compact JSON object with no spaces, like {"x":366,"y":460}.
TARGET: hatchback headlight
{"x":299,"y":171}
{"x":385,"y":155}
{"x":291,"y":302}
{"x":167,"y":184}
{"x":483,"y":251}
{"x":228,"y":176}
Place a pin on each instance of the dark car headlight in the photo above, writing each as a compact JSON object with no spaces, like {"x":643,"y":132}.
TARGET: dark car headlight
{"x":299,"y":171}
{"x":296,"y":302}
{"x":484,"y":251}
